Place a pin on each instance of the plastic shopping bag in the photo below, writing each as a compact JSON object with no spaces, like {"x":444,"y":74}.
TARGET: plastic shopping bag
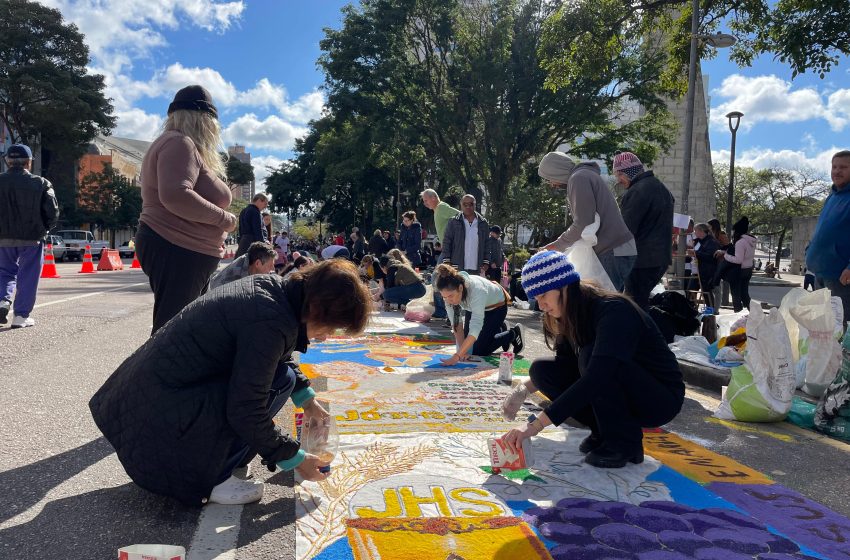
{"x":832,"y":415}
{"x":814,"y":312}
{"x":761,"y":390}
{"x":584,"y":259}
{"x":152,"y":552}
{"x":421,"y":309}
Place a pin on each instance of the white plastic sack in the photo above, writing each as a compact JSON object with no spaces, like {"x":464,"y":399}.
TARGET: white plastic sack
{"x":152,"y":552}
{"x":584,"y":259}
{"x":815,"y":312}
{"x":761,"y":390}
{"x":788,"y":301}
{"x":424,"y":303}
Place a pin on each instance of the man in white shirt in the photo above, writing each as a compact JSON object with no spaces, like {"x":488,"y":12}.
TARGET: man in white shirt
{"x":464,"y":246}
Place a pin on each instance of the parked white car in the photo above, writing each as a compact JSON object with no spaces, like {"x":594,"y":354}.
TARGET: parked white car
{"x":76,"y":241}
{"x":59,"y":249}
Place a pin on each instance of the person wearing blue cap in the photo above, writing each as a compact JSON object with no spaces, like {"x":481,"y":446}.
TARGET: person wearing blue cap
{"x":28,"y":210}
{"x":612,"y":370}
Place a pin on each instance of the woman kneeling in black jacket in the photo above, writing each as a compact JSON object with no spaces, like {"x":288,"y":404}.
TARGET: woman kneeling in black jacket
{"x":612,"y":371}
{"x":198,"y":399}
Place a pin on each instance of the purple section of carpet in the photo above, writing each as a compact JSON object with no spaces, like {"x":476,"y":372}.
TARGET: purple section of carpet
{"x":804,"y":521}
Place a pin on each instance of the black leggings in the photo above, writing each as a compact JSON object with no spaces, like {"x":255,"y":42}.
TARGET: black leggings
{"x":177,"y":276}
{"x":635,"y":401}
{"x":740,"y":288}
{"x":493,"y":334}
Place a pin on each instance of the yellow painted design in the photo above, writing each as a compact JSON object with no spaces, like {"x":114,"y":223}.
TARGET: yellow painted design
{"x":393,"y":507}
{"x":697,"y":462}
{"x":457,"y":494}
{"x":752,"y":429}
{"x":441,"y":538}
{"x":309,"y":371}
{"x":412,"y":502}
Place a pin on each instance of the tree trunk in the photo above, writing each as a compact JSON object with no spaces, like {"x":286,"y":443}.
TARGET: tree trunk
{"x":779,"y":245}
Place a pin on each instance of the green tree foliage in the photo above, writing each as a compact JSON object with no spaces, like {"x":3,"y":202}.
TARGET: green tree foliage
{"x":46,"y":95}
{"x":530,"y":202}
{"x":467,"y":78}
{"x":772,"y":198}
{"x":238,"y":172}
{"x":110,"y":201}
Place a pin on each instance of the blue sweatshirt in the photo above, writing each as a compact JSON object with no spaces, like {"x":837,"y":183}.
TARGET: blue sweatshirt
{"x":829,"y":250}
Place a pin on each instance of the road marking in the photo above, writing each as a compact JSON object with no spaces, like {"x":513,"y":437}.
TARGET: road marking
{"x":751,"y":429}
{"x":90,"y":295}
{"x":217,"y":533}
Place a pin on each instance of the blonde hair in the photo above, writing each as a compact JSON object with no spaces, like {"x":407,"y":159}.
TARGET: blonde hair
{"x":397,"y":255}
{"x":205,"y":132}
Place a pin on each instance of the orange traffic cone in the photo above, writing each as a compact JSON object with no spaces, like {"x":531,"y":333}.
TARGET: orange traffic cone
{"x":136,"y":263}
{"x":88,"y":266}
{"x":48,"y":269}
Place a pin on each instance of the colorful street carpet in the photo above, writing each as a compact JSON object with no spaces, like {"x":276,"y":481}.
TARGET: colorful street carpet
{"x":412,"y":477}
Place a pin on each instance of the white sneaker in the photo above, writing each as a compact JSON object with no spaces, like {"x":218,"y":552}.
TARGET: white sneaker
{"x":21,"y":322}
{"x":234,"y":491}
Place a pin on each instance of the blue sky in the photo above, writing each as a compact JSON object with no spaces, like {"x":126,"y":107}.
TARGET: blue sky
{"x":258,"y":58}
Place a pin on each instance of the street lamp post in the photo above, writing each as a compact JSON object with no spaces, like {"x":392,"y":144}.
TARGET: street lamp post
{"x":718,"y":40}
{"x":734,"y":122}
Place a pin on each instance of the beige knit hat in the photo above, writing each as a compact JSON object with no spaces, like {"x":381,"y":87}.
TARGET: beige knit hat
{"x":556,"y":167}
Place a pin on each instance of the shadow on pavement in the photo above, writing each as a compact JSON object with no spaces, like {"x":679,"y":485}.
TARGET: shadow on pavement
{"x":96,"y":524}
{"x":25,"y":486}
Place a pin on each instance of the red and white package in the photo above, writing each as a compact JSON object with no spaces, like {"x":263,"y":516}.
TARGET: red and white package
{"x":502,"y":458}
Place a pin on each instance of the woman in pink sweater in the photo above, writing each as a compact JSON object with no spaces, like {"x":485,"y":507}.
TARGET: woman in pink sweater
{"x":742,"y":255}
{"x":184,"y":205}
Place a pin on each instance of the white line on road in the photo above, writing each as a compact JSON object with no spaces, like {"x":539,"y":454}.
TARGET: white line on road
{"x":217,"y":533}
{"x":90,"y":295}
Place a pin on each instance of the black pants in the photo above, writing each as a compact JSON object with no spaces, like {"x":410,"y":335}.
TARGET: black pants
{"x":177,"y":276}
{"x":641,"y":281}
{"x":740,"y":288}
{"x":244,"y":242}
{"x":493,"y":334}
{"x":636,"y":400}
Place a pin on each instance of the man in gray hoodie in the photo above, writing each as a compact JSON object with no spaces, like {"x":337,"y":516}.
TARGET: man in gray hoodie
{"x":588,"y":195}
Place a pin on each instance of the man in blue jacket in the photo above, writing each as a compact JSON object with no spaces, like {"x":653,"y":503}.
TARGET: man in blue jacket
{"x":829,"y":251}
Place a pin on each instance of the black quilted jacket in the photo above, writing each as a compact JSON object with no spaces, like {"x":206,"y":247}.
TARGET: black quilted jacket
{"x":198,"y":389}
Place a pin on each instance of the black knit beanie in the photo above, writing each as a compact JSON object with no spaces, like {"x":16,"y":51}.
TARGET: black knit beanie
{"x":193,"y":98}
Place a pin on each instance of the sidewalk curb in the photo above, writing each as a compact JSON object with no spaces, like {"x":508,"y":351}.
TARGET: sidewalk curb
{"x":711,"y":379}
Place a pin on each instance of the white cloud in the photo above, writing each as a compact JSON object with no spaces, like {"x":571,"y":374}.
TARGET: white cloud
{"x":759,"y":158}
{"x":135,"y":123}
{"x":271,"y":133}
{"x":261,"y":166}
{"x":118,"y":30}
{"x":771,"y":99}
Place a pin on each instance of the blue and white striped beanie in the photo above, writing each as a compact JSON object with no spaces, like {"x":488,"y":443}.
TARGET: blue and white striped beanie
{"x":547,"y":270}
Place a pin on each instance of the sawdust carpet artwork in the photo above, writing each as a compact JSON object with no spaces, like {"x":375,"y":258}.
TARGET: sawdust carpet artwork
{"x":412,"y":479}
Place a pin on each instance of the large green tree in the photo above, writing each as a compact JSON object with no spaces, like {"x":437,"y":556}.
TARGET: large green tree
{"x":47,"y":97}
{"x":110,"y":201}
{"x":467,"y":78}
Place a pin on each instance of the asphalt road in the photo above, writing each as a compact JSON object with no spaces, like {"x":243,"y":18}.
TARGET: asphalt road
{"x":63,"y":494}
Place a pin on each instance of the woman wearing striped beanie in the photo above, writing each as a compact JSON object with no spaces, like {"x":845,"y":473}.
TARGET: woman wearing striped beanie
{"x":612,"y":370}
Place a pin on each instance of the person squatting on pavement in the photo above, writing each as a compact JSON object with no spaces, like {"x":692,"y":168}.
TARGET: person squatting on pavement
{"x":198,"y":399}
{"x":647,"y":209}
{"x":612,"y":370}
{"x":259,"y":259}
{"x":184,"y":217}
{"x":486,"y":306}
{"x":28,"y":210}
{"x":401,"y":282}
{"x":828,"y":256}
{"x":251,"y":225}
{"x":589,"y":195}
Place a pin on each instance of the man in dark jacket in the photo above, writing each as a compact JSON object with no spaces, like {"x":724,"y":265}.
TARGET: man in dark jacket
{"x":28,"y":210}
{"x":198,"y":399}
{"x":378,"y":245}
{"x":251,"y":226}
{"x":495,"y":254}
{"x":465,"y":243}
{"x":647,"y":209}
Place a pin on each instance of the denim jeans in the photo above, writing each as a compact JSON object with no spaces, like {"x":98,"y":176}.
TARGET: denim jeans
{"x":439,"y":305}
{"x":284,"y":382}
{"x":20,"y":267}
{"x":403,"y":294}
{"x":618,"y":268}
